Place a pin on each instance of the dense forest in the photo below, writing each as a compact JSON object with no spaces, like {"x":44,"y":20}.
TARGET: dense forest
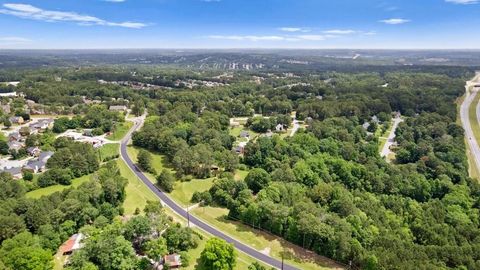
{"x":326,"y":188}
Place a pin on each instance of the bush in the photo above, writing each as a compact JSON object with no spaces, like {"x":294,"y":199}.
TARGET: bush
{"x":27,"y":175}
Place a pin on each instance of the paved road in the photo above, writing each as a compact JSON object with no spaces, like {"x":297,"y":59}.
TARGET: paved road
{"x":464,"y":116}
{"x":295,"y":128}
{"x":391,"y":137}
{"x":180,"y":211}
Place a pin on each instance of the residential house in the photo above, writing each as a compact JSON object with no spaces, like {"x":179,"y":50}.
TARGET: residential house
{"x":42,"y":125}
{"x":240,"y":149}
{"x":14,"y":137}
{"x":14,"y":145}
{"x":36,"y":166}
{"x":16,"y":172}
{"x":17,"y":120}
{"x":6,"y":108}
{"x":34,"y":151}
{"x":72,"y":244}
{"x":244,"y":134}
{"x":118,"y":108}
{"x":173,"y":261}
{"x":88,"y":132}
{"x":45,"y":156}
{"x":39,"y":164}
{"x":280,"y":128}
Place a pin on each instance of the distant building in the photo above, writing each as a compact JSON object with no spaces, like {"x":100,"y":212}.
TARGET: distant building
{"x":42,"y":125}
{"x":14,"y":137}
{"x":88,"y":132}
{"x":9,"y":94}
{"x":36,"y":166}
{"x":172,"y":260}
{"x":72,"y":244}
{"x":14,"y":145}
{"x":6,"y":108}
{"x":280,"y":128}
{"x":16,"y":120}
{"x":34,"y":151}
{"x":45,"y":156}
{"x":39,"y":164}
{"x":118,"y":108}
{"x":16,"y":172}
{"x":244,"y":134}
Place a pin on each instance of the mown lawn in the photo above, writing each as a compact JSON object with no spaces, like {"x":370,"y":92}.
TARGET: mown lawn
{"x":137,"y":193}
{"x":184,"y":190}
{"x":35,"y":194}
{"x":263,"y":241}
{"x":109,"y":150}
{"x":158,"y":161}
{"x":120,"y":131}
{"x":240,"y":174}
{"x":243,"y":260}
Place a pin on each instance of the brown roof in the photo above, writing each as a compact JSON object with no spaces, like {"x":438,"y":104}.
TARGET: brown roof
{"x":172,"y":260}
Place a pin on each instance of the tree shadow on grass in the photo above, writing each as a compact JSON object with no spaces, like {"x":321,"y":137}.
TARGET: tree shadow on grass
{"x":290,"y":252}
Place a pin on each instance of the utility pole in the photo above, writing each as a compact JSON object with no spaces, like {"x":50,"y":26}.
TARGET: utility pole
{"x":282,"y":259}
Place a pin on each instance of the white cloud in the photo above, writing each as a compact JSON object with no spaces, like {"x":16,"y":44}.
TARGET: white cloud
{"x":14,"y":40}
{"x":340,"y":32}
{"x":294,"y":29}
{"x":313,"y":37}
{"x":115,"y":1}
{"x":249,"y":38}
{"x":395,"y":21}
{"x":255,"y":38}
{"x":30,"y":12}
{"x":463,"y":2}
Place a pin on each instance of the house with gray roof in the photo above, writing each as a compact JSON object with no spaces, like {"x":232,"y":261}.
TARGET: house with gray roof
{"x":14,"y":145}
{"x":16,"y":172}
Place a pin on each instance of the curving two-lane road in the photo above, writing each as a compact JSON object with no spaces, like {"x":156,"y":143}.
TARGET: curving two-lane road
{"x":138,"y":122}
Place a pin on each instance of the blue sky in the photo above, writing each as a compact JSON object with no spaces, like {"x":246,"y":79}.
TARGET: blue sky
{"x":389,"y":24}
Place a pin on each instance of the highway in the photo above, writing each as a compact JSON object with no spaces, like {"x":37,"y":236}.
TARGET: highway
{"x":138,"y":122}
{"x":464,"y":116}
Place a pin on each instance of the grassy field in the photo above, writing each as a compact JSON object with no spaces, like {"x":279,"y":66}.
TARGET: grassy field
{"x":183,"y":191}
{"x":158,"y":161}
{"x":120,"y":131}
{"x":137,"y":196}
{"x":240,"y":174}
{"x":263,"y":241}
{"x":137,"y":193}
{"x":214,"y":216}
{"x":472,"y":115}
{"x":382,"y":137}
{"x":109,"y":150}
{"x":35,"y":194}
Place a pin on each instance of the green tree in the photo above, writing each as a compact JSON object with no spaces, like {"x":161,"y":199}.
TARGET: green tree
{"x":218,"y":255}
{"x":144,"y":160}
{"x":156,"y":248}
{"x":166,"y":181}
{"x":7,"y":123}
{"x":257,"y":179}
